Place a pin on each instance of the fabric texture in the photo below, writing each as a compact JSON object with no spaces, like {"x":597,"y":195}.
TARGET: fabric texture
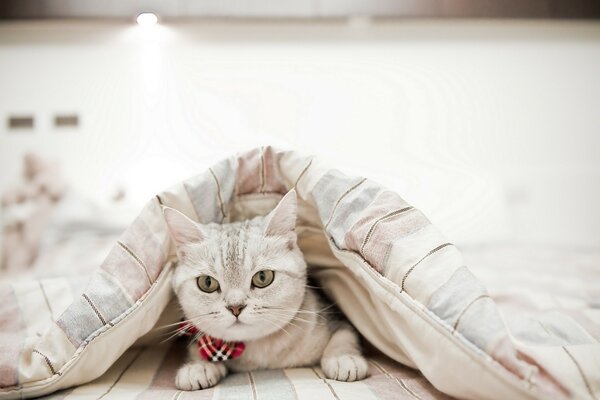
{"x":404,"y":287}
{"x":148,"y":373}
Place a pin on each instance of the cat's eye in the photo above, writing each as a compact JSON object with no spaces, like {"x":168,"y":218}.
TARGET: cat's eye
{"x":207,"y":283}
{"x":263,"y":278}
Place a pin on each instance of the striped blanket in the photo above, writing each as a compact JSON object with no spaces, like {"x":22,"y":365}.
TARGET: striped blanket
{"x":148,"y":372}
{"x":405,"y":288}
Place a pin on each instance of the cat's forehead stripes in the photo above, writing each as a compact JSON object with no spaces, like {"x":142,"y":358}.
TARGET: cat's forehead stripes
{"x":233,"y":244}
{"x":234,"y":252}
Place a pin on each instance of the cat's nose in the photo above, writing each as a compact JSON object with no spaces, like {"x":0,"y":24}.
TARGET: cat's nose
{"x":236,"y":310}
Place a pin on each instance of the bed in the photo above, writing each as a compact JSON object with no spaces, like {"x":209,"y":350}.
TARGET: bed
{"x":547,"y":299}
{"x":148,"y":372}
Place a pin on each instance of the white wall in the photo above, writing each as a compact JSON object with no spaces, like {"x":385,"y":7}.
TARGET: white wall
{"x":493,"y":128}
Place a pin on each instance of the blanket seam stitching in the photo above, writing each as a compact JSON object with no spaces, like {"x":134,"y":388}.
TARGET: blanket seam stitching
{"x":419,"y":262}
{"x":398,"y":380}
{"x":100,"y":317}
{"x":263,"y":176}
{"x":46,"y":299}
{"x":189,"y":196}
{"x":481,"y":296}
{"x":304,"y":170}
{"x":48,"y":363}
{"x":221,"y":205}
{"x":372,"y":228}
{"x":339,"y":200}
{"x":327,"y":383}
{"x":137,"y":259}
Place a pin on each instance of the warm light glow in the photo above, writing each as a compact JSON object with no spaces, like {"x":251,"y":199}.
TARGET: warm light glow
{"x":147,"y":19}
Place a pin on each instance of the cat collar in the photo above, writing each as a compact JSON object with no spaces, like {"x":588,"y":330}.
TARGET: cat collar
{"x":210,"y":348}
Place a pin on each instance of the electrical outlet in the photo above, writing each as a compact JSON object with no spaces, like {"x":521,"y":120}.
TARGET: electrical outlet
{"x":20,"y":122}
{"x":66,"y":121}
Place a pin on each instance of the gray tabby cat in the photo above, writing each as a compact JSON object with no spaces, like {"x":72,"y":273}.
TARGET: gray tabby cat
{"x":246,"y":281}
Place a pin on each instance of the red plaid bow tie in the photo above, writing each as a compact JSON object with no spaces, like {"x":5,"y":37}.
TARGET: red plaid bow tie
{"x":210,"y":348}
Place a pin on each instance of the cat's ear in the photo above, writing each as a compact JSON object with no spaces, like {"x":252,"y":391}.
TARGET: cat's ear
{"x":282,"y":220}
{"x":183,"y":230}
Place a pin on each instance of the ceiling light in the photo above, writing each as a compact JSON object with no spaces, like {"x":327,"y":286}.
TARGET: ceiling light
{"x":147,"y":19}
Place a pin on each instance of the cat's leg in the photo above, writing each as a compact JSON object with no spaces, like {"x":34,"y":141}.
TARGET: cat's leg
{"x":198,"y":373}
{"x":342,"y":359}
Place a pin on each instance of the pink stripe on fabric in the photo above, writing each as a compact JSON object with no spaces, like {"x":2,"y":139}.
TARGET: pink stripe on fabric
{"x":163,"y":383}
{"x":145,"y":246}
{"x":273,"y":181}
{"x":12,"y":335}
{"x":121,"y":265}
{"x":384,"y":387}
{"x":391,"y":380}
{"x":527,"y":368}
{"x":378,"y":227}
{"x":249,"y":177}
{"x":258,"y":172}
{"x":376,"y":251}
{"x":385,"y":203}
{"x":409,"y":383}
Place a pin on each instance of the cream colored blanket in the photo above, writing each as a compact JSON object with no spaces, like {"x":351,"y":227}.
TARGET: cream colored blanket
{"x":404,"y":287}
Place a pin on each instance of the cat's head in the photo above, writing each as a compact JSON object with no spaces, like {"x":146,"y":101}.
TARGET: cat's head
{"x":239,"y":281}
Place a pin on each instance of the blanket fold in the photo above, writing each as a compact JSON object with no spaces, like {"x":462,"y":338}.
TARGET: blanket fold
{"x":396,"y":278}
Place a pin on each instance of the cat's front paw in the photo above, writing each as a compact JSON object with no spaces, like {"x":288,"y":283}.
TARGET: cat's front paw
{"x":346,"y":367}
{"x":199,"y":375}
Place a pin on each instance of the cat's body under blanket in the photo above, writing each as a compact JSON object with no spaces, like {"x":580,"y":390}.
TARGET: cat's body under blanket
{"x":246,"y":283}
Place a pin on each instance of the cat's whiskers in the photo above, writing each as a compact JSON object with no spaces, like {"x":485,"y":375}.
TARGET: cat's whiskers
{"x":279,"y":328}
{"x":312,"y":287}
{"x":290,"y":316}
{"x":198,"y":320}
{"x":295,"y":313}
{"x":306,"y":312}
{"x":301,"y":310}
{"x":305,"y":321}
{"x":284,"y":321}
{"x":194,"y":340}
{"x":184,"y":320}
{"x":282,"y":318}
{"x":291,"y":321}
{"x":173,"y":335}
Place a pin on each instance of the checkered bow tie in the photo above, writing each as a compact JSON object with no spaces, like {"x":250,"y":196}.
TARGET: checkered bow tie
{"x":210,"y":348}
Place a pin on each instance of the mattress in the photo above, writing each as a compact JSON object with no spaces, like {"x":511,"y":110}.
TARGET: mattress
{"x":149,"y":373}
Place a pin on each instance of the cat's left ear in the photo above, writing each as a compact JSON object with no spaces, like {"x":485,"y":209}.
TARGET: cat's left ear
{"x":183,"y":230}
{"x":282,"y":220}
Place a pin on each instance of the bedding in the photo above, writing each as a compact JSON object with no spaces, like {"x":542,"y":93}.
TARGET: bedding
{"x":148,"y":372}
{"x":405,"y":288}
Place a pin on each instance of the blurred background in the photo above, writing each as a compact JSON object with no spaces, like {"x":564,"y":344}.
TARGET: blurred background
{"x":485,"y":114}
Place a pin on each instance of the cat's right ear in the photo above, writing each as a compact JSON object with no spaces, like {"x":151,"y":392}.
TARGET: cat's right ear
{"x":183,"y":230}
